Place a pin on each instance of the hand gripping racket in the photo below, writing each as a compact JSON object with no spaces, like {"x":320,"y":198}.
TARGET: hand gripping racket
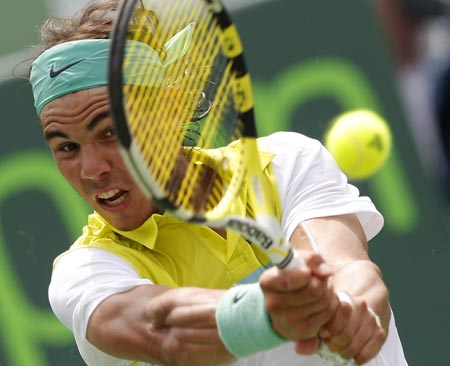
{"x":180,"y":92}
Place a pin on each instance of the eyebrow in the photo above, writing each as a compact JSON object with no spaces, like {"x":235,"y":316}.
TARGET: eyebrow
{"x":52,"y":134}
{"x":97,"y":120}
{"x":90,"y":127}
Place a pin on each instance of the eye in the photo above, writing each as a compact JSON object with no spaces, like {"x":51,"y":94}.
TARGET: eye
{"x":110,"y":133}
{"x":68,"y":147}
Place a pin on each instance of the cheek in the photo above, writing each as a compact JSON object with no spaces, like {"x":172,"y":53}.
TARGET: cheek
{"x":118,"y":162}
{"x":117,"y":155}
{"x":70,"y":171}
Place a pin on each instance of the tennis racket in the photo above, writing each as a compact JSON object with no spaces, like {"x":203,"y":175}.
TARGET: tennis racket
{"x":182,"y":105}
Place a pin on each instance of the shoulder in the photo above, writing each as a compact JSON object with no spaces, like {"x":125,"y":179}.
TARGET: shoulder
{"x":288,"y":140}
{"x":76,"y":287}
{"x":299,"y":156}
{"x":290,"y":147}
{"x":311,"y":184}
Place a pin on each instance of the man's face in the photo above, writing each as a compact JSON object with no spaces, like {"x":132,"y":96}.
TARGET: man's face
{"x":80,"y":134}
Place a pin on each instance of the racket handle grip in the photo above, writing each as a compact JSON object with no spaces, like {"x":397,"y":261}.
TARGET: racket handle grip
{"x":332,"y":358}
{"x":293,"y":261}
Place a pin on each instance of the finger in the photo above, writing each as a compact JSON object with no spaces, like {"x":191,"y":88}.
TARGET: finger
{"x":341,"y":317}
{"x":372,"y":347}
{"x":310,"y":326}
{"x":360,"y":343}
{"x":277,"y":280}
{"x":307,"y":347}
{"x":316,"y":293}
{"x":339,"y":341}
{"x":376,"y":317}
{"x":317,"y":265}
{"x":304,"y":322}
{"x":374,"y":344}
{"x":361,"y":337}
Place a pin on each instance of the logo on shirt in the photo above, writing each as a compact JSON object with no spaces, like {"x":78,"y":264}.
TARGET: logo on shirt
{"x":54,"y":73}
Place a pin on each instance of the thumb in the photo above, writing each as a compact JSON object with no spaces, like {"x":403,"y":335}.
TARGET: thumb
{"x":307,"y":347}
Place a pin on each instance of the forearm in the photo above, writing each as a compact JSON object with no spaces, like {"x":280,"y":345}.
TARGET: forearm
{"x":159,"y":325}
{"x":119,"y":327}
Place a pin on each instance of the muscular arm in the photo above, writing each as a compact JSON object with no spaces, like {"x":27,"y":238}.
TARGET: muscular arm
{"x":342,"y":243}
{"x":155,"y":324}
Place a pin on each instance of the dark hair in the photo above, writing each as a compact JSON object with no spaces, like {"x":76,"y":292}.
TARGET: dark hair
{"x":94,"y":21}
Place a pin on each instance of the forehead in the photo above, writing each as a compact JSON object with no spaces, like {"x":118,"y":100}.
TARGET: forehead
{"x":78,"y":104}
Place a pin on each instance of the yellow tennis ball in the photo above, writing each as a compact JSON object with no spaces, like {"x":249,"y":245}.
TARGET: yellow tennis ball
{"x":360,"y":141}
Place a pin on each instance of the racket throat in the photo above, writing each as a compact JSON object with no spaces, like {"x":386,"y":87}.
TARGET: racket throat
{"x":250,"y":231}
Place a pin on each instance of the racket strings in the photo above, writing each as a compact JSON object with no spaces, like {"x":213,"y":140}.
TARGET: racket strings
{"x":150,"y":134}
{"x":212,"y":138}
{"x":204,"y":51}
{"x":194,"y":174}
{"x":199,"y":180}
{"x":194,"y":103}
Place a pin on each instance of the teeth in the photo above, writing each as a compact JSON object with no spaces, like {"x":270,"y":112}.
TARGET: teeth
{"x":117,"y":201}
{"x":108,"y":197}
{"x":109,"y":194}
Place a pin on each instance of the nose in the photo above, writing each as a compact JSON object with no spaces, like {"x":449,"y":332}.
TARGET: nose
{"x":94,"y":163}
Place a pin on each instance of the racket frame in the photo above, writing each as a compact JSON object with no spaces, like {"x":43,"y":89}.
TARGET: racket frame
{"x":263,"y":230}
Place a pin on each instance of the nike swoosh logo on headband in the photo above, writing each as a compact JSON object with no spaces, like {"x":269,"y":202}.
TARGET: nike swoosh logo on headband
{"x":54,"y":73}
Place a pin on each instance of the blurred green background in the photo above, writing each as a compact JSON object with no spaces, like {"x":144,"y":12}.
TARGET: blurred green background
{"x":310,"y":61}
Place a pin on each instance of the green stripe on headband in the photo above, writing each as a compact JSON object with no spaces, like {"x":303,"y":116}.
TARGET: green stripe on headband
{"x":83,"y":64}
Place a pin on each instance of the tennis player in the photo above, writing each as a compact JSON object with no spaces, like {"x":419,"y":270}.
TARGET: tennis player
{"x":139,"y":287}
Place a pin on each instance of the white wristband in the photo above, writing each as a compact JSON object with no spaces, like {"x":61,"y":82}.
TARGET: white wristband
{"x":243,"y":321}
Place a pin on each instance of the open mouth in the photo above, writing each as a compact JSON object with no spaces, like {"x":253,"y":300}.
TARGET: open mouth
{"x":112,"y":198}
